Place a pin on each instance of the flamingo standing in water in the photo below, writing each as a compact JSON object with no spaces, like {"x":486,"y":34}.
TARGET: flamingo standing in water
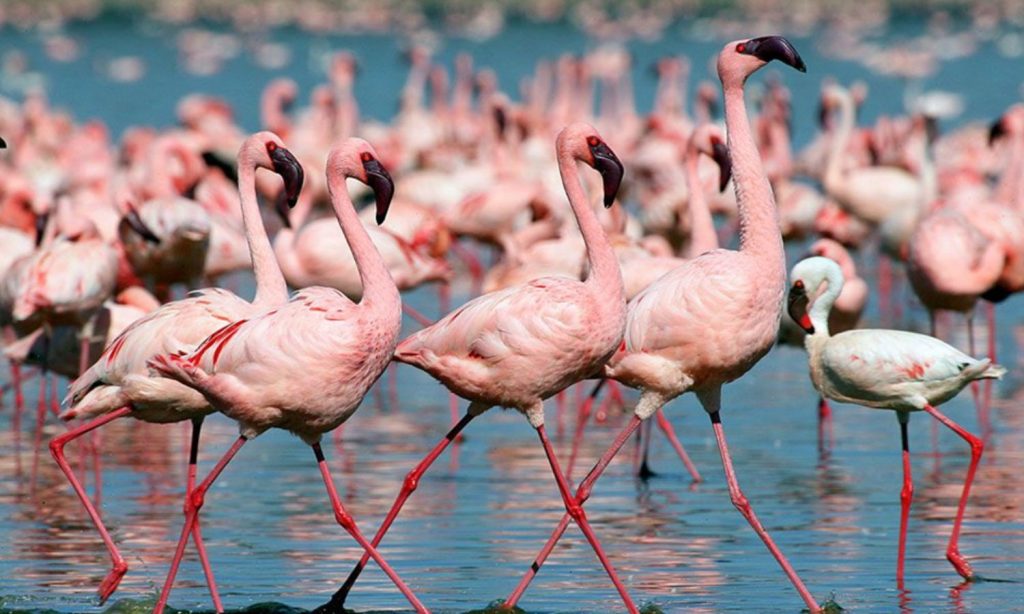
{"x":118,"y":384}
{"x":886,"y":369}
{"x":304,"y":366}
{"x":516,"y":347}
{"x":709,"y":321}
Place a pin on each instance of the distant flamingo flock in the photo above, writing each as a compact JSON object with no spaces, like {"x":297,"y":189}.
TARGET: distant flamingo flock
{"x":620,"y":258}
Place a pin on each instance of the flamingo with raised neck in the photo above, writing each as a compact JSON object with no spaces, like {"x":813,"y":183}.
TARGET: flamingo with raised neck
{"x":709,"y":321}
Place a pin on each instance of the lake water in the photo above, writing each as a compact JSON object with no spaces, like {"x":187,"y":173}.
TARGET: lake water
{"x":470,"y":531}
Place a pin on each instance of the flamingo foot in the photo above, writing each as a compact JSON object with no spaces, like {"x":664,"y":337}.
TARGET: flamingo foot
{"x":111,"y":582}
{"x":645,"y":472}
{"x":961,"y":565}
{"x":176,"y":367}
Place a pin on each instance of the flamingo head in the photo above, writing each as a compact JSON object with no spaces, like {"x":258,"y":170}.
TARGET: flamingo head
{"x":357,"y":159}
{"x":1011,"y":122}
{"x":583,"y":142}
{"x":808,"y":279}
{"x":739,"y":59}
{"x":709,"y":140}
{"x":266,"y":150}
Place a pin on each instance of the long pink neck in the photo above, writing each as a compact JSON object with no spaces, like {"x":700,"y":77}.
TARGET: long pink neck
{"x":272,"y":113}
{"x":759,"y":220}
{"x":379,"y":290}
{"x":604,"y":268}
{"x":840,"y":142}
{"x":271,"y":288}
{"x":703,"y":237}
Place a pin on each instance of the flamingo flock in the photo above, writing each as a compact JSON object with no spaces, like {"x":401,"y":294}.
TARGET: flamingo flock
{"x":618,"y":254}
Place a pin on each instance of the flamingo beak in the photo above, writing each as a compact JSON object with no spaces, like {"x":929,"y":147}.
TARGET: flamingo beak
{"x":290,"y":171}
{"x":3,"y":143}
{"x":135,"y":223}
{"x":41,"y":221}
{"x":608,"y":164}
{"x":379,"y":180}
{"x":768,"y":48}
{"x":996,"y":131}
{"x":212,"y":160}
{"x":797,"y":308}
{"x":720,"y":154}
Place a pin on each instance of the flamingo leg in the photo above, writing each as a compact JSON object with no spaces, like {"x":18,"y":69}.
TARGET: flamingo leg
{"x":644,"y":471}
{"x":977,"y":447}
{"x":740,"y":502}
{"x":666,"y":427}
{"x":582,"y":494}
{"x":197,"y":535}
{"x":118,"y":564}
{"x":19,"y":409}
{"x":583,"y":414}
{"x":417,"y":315}
{"x":824,"y":426}
{"x":349,"y":524}
{"x":975,"y":386}
{"x":580,"y":516}
{"x":409,"y":485}
{"x":193,"y":503}
{"x":906,"y":497}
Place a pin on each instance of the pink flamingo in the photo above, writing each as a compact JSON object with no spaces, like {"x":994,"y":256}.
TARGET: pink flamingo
{"x":329,"y":349}
{"x":639,"y":272}
{"x":118,"y":384}
{"x":709,"y":321}
{"x":516,"y":347}
{"x":886,"y":369}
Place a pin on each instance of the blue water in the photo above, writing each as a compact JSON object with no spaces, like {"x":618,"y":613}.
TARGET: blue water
{"x":475,"y":523}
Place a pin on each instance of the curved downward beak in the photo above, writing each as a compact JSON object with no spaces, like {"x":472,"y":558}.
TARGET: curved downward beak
{"x":995,"y":131}
{"x":3,"y":143}
{"x":379,"y":180}
{"x":290,"y":171}
{"x":607,"y":163}
{"x":798,"y":302}
{"x":41,"y":221}
{"x":212,"y":160}
{"x":768,"y":48}
{"x":720,"y":154}
{"x":135,"y":223}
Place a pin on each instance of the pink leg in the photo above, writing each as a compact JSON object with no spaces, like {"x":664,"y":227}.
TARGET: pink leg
{"x":906,"y":496}
{"x":420,"y":319}
{"x":476,"y":270}
{"x":666,"y":427}
{"x":953,"y":549}
{"x":583,"y":414}
{"x":582,"y":494}
{"x":884,"y":287}
{"x":118,"y":564}
{"x":824,"y":425}
{"x":444,"y":298}
{"x":197,"y":534}
{"x":739,"y":501}
{"x":975,"y":387}
{"x":349,"y":524}
{"x":41,"y":406}
{"x":580,"y":516}
{"x":19,"y":409}
{"x":193,"y":503}
{"x":409,"y":485}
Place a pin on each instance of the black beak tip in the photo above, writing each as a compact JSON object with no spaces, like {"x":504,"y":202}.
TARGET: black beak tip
{"x":381,"y":215}
{"x":995,"y":131}
{"x":3,"y":143}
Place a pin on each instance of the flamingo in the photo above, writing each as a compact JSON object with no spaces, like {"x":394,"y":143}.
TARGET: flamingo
{"x":886,"y":369}
{"x":118,"y":385}
{"x":709,"y":321}
{"x":845,"y":315}
{"x":329,"y":349}
{"x":516,"y":347}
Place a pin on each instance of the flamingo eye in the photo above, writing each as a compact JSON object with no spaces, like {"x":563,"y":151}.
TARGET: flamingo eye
{"x":799,"y":284}
{"x":593,"y":141}
{"x":366,"y":156}
{"x":271,"y":147}
{"x":741,"y":48}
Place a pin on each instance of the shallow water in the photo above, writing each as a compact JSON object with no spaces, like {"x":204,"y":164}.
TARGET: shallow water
{"x":477,"y":520}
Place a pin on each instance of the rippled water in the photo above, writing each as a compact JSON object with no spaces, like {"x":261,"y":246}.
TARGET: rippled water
{"x":481,"y":513}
